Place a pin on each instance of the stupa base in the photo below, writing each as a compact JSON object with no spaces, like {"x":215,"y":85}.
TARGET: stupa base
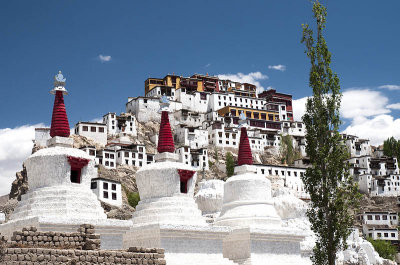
{"x":199,"y":245}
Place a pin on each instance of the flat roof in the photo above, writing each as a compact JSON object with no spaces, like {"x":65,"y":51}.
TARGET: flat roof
{"x":287,"y":167}
{"x":109,"y":180}
{"x":93,"y":123}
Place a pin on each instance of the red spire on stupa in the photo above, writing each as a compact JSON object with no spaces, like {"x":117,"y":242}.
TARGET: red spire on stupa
{"x":244,"y":157}
{"x":59,"y":119}
{"x":165,"y":140}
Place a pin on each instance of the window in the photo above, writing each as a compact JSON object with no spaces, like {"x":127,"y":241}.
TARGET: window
{"x":379,"y":235}
{"x":85,"y":128}
{"x":92,"y":153}
{"x":93,"y":185}
{"x":386,"y":234}
{"x":114,"y":186}
{"x":105,"y":186}
{"x":393,"y":234}
{"x":384,"y":217}
{"x":105,"y":194}
{"x":114,"y":196}
{"x":75,"y":175}
{"x":93,"y":129}
{"x":101,"y":129}
{"x":377,"y":217}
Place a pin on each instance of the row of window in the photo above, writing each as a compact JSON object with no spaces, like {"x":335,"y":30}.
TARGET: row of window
{"x":378,"y":217}
{"x":393,"y":235}
{"x":93,"y":186}
{"x":289,"y":173}
{"x":113,"y":195}
{"x":93,"y":129}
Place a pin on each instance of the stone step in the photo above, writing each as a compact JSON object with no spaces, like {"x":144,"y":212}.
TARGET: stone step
{"x":161,"y":203}
{"x":197,"y":259}
{"x":173,"y":218}
{"x":166,"y":210}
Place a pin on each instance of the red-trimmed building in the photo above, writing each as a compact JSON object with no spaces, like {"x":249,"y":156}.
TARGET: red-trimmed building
{"x":273,"y":96}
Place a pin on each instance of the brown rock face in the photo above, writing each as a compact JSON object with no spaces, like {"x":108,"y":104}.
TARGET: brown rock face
{"x":19,"y":185}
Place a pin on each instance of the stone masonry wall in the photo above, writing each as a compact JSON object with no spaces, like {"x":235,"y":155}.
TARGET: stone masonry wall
{"x":30,"y":247}
{"x":33,"y":256}
{"x":84,"y":238}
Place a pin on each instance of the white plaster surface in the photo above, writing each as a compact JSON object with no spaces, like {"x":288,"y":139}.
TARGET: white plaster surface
{"x":183,"y":244}
{"x":360,"y":251}
{"x":50,"y":167}
{"x":54,"y":203}
{"x":247,"y":201}
{"x":161,"y":198}
{"x":210,"y":196}
{"x":293,"y":213}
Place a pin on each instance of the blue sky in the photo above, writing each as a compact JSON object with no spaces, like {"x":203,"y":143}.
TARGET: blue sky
{"x":154,"y":38}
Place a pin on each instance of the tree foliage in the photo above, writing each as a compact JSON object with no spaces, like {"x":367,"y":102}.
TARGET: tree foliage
{"x":331,"y":188}
{"x":384,"y":248}
{"x":230,"y":164}
{"x":391,"y":147}
{"x":133,"y":198}
{"x":288,"y":153}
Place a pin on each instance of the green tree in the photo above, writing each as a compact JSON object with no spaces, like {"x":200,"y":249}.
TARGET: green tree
{"x":133,"y":198}
{"x":216,"y":154}
{"x":332,"y":190}
{"x":288,"y":153}
{"x":391,"y":147}
{"x":230,"y":164}
{"x":384,"y":248}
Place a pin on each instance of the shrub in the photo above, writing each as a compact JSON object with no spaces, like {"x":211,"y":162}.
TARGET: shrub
{"x":230,"y":164}
{"x":133,"y":198}
{"x":384,"y":248}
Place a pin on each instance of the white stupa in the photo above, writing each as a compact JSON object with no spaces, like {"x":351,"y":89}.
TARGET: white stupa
{"x":59,"y":177}
{"x":247,"y":196}
{"x":167,"y":215}
{"x":257,"y":236}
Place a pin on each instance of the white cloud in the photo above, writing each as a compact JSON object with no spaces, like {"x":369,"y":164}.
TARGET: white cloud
{"x":279,"y":67}
{"x":355,"y":103}
{"x":104,"y":58}
{"x":377,"y":129}
{"x":390,"y":87}
{"x":363,"y":103}
{"x":207,"y":65}
{"x":98,"y":120}
{"x":299,"y":108}
{"x":367,"y":111}
{"x":251,"y":78}
{"x":394,"y":106}
{"x":15,"y":146}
